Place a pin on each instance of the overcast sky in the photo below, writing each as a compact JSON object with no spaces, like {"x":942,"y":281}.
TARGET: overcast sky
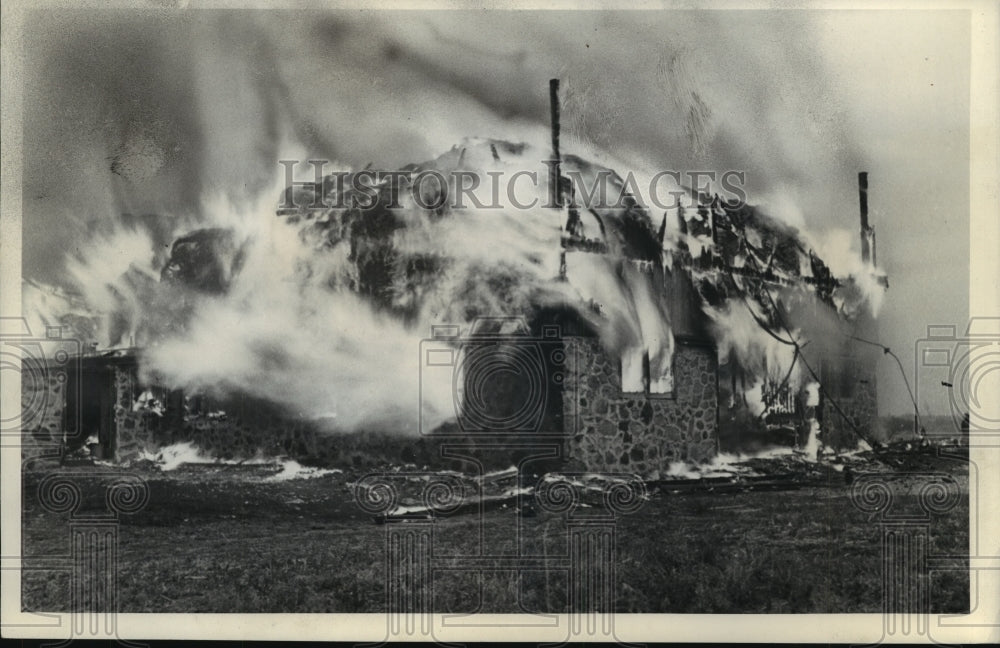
{"x":189,"y":103}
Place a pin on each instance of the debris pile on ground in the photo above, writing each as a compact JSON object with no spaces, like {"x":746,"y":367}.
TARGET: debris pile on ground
{"x":420,"y":493}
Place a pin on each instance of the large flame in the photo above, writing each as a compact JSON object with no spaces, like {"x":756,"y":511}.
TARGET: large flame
{"x":296,"y":320}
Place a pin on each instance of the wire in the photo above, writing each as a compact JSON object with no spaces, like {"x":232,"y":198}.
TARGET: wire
{"x":887,"y":351}
{"x":798,"y":349}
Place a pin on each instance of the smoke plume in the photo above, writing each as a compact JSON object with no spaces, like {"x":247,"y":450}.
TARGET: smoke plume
{"x":190,"y":115}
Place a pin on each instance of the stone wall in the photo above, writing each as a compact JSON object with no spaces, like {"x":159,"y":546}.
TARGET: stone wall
{"x":241,"y":435}
{"x":243,"y":427}
{"x":132,"y":430}
{"x":607,"y":430}
{"x":43,"y":403}
{"x":619,"y":432}
{"x":247,"y":428}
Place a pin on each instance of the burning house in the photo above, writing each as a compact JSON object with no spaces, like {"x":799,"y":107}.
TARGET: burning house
{"x":627,"y":339}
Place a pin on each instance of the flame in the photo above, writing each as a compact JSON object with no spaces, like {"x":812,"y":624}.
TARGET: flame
{"x":812,"y":446}
{"x":291,"y":327}
{"x":172,"y":457}
{"x":112,"y":272}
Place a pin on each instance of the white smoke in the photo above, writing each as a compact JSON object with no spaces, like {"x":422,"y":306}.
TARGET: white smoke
{"x":286,"y":335}
{"x":288,"y":329}
{"x":837,"y":249}
{"x":739,"y":335}
{"x":112,"y":271}
{"x":277,"y":335}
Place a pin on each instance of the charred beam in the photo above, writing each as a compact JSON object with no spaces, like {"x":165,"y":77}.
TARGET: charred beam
{"x":555,"y":171}
{"x":866,"y":230}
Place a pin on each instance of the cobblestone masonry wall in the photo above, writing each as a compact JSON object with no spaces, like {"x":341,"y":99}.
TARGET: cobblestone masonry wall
{"x":249,"y":427}
{"x":259,"y":431}
{"x":43,"y":399}
{"x":612,"y":431}
{"x":132,"y":428}
{"x":634,"y":432}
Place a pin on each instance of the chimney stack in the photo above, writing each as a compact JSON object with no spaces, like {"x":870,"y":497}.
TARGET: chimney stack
{"x":554,"y":169}
{"x":866,"y":231}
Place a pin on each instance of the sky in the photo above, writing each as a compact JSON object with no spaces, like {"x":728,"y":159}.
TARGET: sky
{"x":147,"y":112}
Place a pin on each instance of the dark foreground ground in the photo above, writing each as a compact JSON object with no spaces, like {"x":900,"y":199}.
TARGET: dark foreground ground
{"x":217,"y":539}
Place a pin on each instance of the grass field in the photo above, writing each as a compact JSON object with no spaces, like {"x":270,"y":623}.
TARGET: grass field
{"x":215,"y":540}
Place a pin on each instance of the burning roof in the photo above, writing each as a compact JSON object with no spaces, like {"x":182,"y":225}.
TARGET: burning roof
{"x":732,"y":251}
{"x":316,"y":306}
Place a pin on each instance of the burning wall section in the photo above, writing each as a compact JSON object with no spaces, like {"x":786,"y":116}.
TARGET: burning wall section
{"x":96,"y":404}
{"x":122,"y":418}
{"x":641,"y":433}
{"x":849,"y":402}
{"x":100,"y":406}
{"x":312,"y":336}
{"x":611,"y":429}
